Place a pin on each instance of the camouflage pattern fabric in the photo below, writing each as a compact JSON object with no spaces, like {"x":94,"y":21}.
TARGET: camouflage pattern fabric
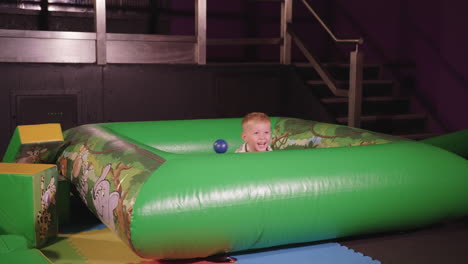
{"x":293,"y":133}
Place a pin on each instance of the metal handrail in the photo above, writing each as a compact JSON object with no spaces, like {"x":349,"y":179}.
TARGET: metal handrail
{"x":357,"y":41}
{"x":323,"y":73}
{"x":354,"y":93}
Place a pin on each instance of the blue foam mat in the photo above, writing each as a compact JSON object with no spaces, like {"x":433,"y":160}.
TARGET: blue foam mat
{"x":328,"y":253}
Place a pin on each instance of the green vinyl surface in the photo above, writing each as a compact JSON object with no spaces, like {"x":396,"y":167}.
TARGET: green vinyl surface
{"x":17,"y":213}
{"x":176,"y":198}
{"x":14,"y":249}
{"x":455,"y":142}
{"x":24,"y":256}
{"x":13,"y":147}
{"x":183,"y":136}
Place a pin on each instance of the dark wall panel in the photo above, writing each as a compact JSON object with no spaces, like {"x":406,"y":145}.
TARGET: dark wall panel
{"x":255,"y":91}
{"x":152,"y":92}
{"x":44,"y":106}
{"x":26,"y":89}
{"x":80,"y":94}
{"x":8,"y":80}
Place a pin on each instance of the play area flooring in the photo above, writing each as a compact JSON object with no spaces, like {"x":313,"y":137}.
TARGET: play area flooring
{"x":87,"y":241}
{"x":101,"y":246}
{"x":445,"y":242}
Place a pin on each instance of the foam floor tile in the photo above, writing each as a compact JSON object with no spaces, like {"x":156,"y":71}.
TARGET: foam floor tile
{"x":328,"y":253}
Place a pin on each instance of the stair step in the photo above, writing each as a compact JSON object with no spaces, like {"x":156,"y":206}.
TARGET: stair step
{"x":339,"y":71}
{"x":365,"y":99}
{"x":371,"y":105}
{"x":369,"y":87}
{"x":391,"y":124}
{"x":420,"y":136}
{"x":370,"y":118}
{"x":381,"y":111}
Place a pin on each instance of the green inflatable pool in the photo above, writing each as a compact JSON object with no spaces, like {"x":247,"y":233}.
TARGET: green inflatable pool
{"x":160,"y":186}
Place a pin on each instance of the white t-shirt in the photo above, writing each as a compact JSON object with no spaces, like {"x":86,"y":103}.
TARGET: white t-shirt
{"x":244,"y":148}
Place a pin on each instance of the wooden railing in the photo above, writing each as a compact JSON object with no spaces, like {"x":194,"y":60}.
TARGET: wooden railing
{"x":287,"y":36}
{"x":101,"y":48}
{"x":354,"y":93}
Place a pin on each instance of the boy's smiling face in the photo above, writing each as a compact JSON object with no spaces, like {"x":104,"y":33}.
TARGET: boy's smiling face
{"x":257,"y":135}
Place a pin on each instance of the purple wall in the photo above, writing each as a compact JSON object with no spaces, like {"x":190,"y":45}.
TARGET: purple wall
{"x":425,"y":39}
{"x":244,"y":19}
{"x":420,"y":43}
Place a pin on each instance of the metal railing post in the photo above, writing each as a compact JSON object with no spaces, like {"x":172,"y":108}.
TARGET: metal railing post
{"x":200,"y":31}
{"x":100,"y":26}
{"x":286,"y":19}
{"x":355,"y":88}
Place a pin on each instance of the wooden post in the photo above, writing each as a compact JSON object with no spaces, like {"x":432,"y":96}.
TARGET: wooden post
{"x":286,"y":19}
{"x":355,"y":89}
{"x":200,"y":31}
{"x":100,"y":26}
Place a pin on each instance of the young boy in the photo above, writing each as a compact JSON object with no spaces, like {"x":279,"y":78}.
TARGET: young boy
{"x":256,"y":133}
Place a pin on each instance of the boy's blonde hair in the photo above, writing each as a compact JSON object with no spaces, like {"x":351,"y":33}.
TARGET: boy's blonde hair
{"x":255,"y":117}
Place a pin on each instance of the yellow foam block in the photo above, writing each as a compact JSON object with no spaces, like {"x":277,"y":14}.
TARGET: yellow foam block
{"x":23,"y":168}
{"x":103,"y":247}
{"x":40,"y":133}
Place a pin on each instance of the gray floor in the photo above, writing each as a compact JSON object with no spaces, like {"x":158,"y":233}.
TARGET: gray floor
{"x":446,"y":242}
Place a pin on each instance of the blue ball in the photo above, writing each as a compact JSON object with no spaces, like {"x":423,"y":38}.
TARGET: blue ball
{"x":220,"y":146}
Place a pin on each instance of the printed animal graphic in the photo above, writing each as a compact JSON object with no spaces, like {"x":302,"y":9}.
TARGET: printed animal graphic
{"x":32,"y":156}
{"x":63,"y":164}
{"x":104,"y":201}
{"x":83,"y":183}
{"x":79,"y":159}
{"x":44,"y":217}
{"x":122,"y":213}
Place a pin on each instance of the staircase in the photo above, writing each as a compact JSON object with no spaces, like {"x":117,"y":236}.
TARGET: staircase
{"x":382,"y":110}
